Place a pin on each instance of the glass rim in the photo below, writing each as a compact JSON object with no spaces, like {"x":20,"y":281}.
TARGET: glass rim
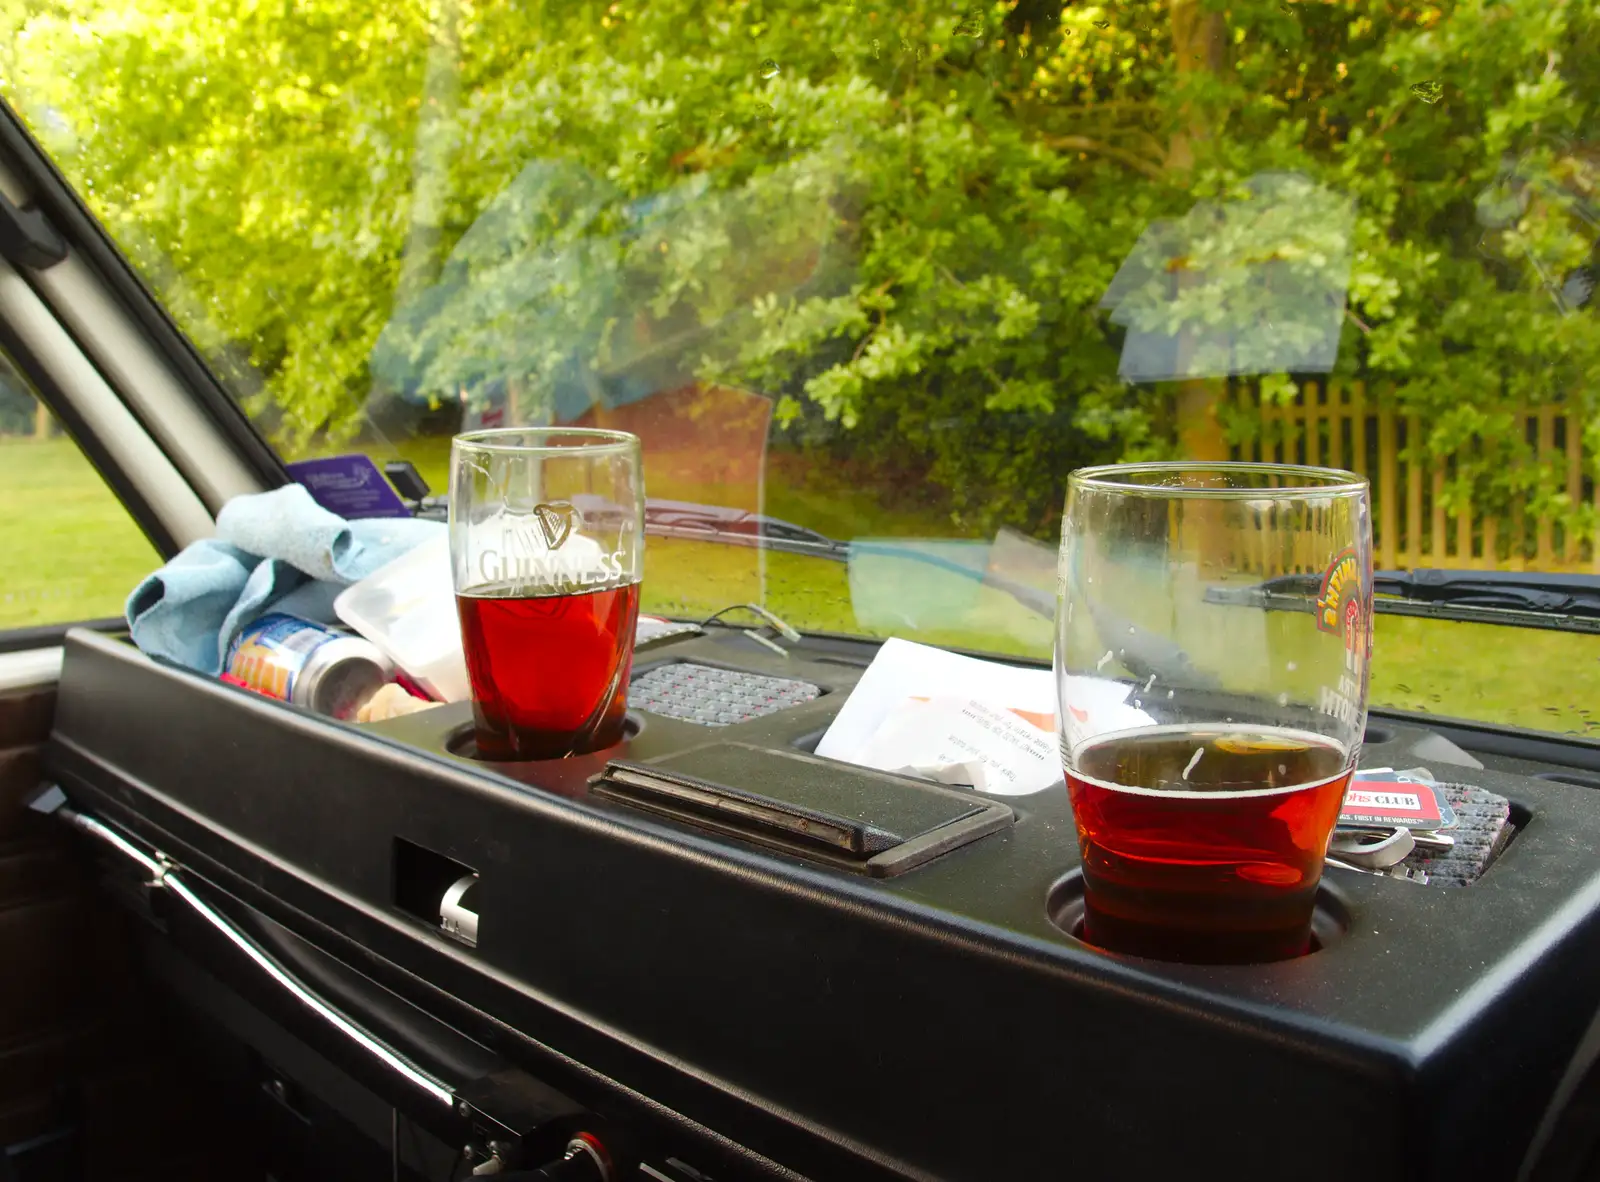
{"x":1321,"y":482}
{"x":598,"y":441}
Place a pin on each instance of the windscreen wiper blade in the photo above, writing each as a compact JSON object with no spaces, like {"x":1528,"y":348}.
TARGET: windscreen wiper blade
{"x":1561,"y":594}
{"x":1522,"y":599}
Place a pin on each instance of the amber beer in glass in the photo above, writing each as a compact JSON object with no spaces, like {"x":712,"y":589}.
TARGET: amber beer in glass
{"x":547,"y":548}
{"x":1213,"y":639}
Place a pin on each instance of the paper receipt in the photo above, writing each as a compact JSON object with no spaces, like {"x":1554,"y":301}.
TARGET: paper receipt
{"x":963,"y":741}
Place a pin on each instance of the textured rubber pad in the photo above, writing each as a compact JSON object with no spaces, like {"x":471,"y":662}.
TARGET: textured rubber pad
{"x":1483,"y":827}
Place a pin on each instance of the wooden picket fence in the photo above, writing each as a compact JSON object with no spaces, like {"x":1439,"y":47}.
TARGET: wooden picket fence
{"x":1337,"y":425}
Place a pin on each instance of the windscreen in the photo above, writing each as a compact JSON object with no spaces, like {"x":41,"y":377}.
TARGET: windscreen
{"x":869,"y":279}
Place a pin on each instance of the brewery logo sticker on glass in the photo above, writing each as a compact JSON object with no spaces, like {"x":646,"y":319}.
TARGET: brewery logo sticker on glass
{"x":350,"y":486}
{"x":1339,"y":599}
{"x":1384,"y":797}
{"x":1341,"y":609}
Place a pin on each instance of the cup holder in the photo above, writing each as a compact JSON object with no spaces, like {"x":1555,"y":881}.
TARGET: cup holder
{"x":1330,"y":918}
{"x":463,"y":741}
{"x":1378,"y":734}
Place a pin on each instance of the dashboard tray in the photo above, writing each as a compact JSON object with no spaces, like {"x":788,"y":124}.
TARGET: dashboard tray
{"x":935,"y":1024}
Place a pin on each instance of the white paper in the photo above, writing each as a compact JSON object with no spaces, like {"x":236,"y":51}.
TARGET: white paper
{"x":959,"y":720}
{"x":903,"y":669}
{"x":962,"y":741}
{"x":1098,"y":706}
{"x":654,"y":628}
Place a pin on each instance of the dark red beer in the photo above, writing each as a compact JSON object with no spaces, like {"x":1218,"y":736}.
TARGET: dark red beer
{"x":1205,"y":844}
{"x":549,"y":672}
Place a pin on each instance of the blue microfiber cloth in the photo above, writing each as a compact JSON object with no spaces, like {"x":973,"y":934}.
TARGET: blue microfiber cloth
{"x":274,"y":551}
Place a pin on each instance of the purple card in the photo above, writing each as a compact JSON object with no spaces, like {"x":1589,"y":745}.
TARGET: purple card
{"x":350,"y":486}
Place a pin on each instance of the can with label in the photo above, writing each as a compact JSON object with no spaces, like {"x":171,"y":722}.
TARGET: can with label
{"x":294,"y":660}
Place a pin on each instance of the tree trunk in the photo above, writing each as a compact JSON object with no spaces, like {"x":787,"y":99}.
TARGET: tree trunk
{"x":430,"y":160}
{"x":1198,"y":46}
{"x":1200,"y":435}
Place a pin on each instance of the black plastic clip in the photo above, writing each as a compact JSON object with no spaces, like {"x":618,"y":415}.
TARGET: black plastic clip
{"x":27,"y":239}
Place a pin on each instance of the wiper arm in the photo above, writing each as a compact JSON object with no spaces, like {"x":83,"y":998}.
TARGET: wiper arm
{"x":737,"y":527}
{"x":1146,"y":654}
{"x":1561,"y":602}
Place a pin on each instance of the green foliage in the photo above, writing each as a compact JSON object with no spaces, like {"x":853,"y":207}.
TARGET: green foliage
{"x":898,"y":219}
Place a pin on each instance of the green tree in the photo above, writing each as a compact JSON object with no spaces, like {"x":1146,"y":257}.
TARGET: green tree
{"x":898,"y":218}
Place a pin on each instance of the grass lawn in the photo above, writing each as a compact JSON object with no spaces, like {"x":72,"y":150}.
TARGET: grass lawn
{"x":71,"y":552}
{"x":1525,"y":677}
{"x":68,"y":549}
{"x":1518,"y":676}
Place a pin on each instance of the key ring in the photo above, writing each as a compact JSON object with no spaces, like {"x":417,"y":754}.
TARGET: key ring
{"x":1370,"y":851}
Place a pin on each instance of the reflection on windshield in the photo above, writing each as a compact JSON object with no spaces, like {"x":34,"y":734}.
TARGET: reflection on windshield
{"x":1254,"y":285}
{"x":876,"y":277}
{"x":563,"y":294}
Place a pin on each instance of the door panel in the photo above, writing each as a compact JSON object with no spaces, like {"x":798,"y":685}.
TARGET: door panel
{"x":88,"y":1085}
{"x":41,"y":1037}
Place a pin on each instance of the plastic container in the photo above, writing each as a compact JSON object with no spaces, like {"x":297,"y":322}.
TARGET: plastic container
{"x":407,"y":609}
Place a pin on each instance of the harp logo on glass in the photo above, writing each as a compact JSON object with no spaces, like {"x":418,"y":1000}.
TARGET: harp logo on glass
{"x":554,"y":522}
